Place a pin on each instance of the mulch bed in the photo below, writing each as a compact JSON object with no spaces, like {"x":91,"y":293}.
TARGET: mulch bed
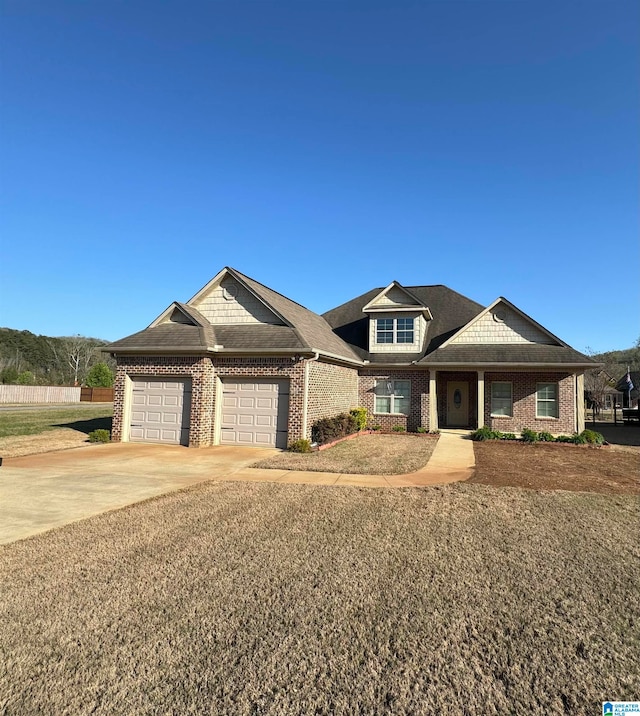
{"x":557,"y":467}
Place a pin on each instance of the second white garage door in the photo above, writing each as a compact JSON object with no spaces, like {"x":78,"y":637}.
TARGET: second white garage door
{"x":254,"y":412}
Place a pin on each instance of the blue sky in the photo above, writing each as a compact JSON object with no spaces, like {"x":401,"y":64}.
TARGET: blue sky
{"x":323,"y":148}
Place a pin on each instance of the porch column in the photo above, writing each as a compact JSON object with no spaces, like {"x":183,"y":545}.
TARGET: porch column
{"x":579,"y":402}
{"x":433,"y":401}
{"x":480,"y":398}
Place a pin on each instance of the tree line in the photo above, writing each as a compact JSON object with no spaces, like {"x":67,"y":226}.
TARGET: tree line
{"x":30,"y":359}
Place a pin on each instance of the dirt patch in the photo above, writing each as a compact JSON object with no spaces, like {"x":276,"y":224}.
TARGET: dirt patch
{"x":62,"y":439}
{"x":557,"y":467}
{"x":364,"y":455}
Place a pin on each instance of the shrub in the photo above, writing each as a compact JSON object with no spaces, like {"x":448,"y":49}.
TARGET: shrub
{"x":483,"y":433}
{"x":327,"y":429}
{"x":579,"y":439}
{"x":421,"y":430}
{"x":26,"y":378}
{"x":100,"y":376}
{"x":360,"y":415}
{"x":399,"y":429}
{"x":592,"y":437}
{"x":564,"y":439}
{"x":301,"y":445}
{"x":375,"y":427}
{"x":545,"y":437}
{"x":529,"y":436}
{"x":509,"y":436}
{"x":99,"y":436}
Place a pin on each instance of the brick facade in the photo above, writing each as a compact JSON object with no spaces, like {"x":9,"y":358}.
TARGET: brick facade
{"x":524,"y":403}
{"x":332,"y":389}
{"x":203,"y":371}
{"x":418,"y":404}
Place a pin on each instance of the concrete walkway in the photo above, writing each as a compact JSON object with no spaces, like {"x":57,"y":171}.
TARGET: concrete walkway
{"x":41,"y":492}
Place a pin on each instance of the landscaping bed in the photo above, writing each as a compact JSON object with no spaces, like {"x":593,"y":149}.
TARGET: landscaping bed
{"x":370,"y":454}
{"x":557,"y":466}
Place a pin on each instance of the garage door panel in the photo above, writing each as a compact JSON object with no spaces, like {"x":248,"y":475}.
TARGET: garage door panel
{"x":161,"y":411}
{"x":255,"y":412}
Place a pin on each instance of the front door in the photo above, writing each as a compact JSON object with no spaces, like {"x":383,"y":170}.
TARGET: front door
{"x":457,"y":404}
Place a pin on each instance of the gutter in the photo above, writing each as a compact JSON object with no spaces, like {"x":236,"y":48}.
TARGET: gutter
{"x":522,"y":366}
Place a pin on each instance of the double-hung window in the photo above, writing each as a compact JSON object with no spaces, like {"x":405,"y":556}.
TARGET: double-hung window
{"x":501,"y":400}
{"x":392,"y":396}
{"x":547,"y":400}
{"x":394,"y":330}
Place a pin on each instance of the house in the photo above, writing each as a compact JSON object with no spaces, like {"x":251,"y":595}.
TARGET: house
{"x":629,"y":398}
{"x":240,"y":364}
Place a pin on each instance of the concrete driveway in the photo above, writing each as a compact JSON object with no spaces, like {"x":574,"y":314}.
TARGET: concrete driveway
{"x":40,"y":492}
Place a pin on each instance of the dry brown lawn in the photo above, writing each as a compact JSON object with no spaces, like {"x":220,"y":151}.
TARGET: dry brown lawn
{"x":29,"y":430}
{"x":363,"y":455}
{"x":246,"y":598}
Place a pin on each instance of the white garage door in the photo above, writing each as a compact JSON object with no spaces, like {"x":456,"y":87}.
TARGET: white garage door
{"x":160,"y":411}
{"x":255,"y":412}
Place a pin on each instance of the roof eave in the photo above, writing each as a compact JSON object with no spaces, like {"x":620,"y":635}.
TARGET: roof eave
{"x":505,"y":364}
{"x":157,"y":350}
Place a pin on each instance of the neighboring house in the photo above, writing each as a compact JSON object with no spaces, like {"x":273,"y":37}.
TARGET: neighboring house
{"x":240,"y":364}
{"x":623,"y":387}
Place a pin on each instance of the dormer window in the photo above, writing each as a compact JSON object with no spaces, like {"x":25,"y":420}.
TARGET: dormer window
{"x":394,"y":330}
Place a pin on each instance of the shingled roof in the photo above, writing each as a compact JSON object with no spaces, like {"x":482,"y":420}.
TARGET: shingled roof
{"x":450,"y":309}
{"x":341,"y":333}
{"x":305,"y":332}
{"x":513,"y":353}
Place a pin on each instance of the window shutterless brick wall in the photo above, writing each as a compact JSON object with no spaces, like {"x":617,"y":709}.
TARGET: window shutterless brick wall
{"x":198,"y":369}
{"x":333,"y":389}
{"x":418,"y":404}
{"x":524,"y":403}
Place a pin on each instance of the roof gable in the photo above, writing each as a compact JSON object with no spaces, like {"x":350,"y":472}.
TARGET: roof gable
{"x":396,"y":298}
{"x":228,"y":300}
{"x":180,"y":313}
{"x":502,"y":323}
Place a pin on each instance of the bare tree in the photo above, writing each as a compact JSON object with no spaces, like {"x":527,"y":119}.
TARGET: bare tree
{"x":74,"y":355}
{"x":597,"y":382}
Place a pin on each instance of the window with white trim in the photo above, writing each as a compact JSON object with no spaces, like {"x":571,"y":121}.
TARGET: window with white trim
{"x":547,"y":400}
{"x":392,"y":396}
{"x":394,"y":330}
{"x":501,"y":399}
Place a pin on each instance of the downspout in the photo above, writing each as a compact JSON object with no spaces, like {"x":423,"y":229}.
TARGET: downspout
{"x":305,"y":394}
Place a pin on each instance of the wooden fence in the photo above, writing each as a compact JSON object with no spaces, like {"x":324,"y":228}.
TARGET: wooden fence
{"x":97,"y":395}
{"x":39,"y":394}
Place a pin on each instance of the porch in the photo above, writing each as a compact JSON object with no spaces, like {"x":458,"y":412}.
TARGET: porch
{"x":464,"y":399}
